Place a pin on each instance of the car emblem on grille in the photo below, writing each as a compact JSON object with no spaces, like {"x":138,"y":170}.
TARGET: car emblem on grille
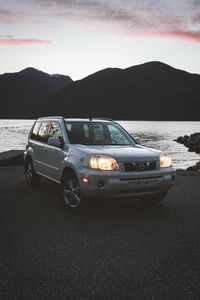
{"x":141,"y":166}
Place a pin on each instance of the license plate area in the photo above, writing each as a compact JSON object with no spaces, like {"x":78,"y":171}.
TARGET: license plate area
{"x":143,"y":185}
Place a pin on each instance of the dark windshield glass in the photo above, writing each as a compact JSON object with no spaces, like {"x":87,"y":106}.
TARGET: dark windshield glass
{"x":96,"y":133}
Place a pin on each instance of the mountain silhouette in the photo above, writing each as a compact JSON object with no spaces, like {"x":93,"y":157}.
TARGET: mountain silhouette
{"x":22,"y":93}
{"x":150,"y":91}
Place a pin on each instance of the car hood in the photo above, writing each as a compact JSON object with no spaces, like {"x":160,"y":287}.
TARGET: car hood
{"x":124,"y":153}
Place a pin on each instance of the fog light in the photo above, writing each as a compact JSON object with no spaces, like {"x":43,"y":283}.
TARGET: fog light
{"x":100,"y":183}
{"x":85,"y":180}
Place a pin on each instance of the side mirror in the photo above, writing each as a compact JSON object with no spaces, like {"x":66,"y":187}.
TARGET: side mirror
{"x":55,"y":141}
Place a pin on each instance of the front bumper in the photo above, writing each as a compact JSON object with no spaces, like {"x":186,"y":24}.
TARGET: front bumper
{"x":126,"y":184}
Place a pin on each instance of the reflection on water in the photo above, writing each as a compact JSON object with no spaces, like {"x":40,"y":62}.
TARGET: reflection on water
{"x":14,"y":134}
{"x":158,"y":135}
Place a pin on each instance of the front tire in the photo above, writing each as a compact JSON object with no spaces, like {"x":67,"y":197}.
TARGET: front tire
{"x":32,"y":178}
{"x":71,"y":193}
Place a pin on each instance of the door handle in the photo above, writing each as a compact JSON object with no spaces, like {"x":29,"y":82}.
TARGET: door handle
{"x":45,"y":149}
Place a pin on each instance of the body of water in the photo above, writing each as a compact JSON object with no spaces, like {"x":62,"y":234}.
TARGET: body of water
{"x":155,"y":134}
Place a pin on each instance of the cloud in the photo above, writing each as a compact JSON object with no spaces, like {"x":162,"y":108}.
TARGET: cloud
{"x":169,"y":19}
{"x":23,"y":42}
{"x":184,"y":35}
{"x":196,"y":18}
{"x":181,"y":35}
{"x":159,"y":18}
{"x":10,"y":17}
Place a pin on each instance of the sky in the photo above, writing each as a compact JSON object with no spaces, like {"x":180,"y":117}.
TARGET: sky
{"x":80,"y":37}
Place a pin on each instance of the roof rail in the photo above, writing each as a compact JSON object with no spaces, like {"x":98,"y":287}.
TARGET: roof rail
{"x":106,"y":119}
{"x":51,"y":117}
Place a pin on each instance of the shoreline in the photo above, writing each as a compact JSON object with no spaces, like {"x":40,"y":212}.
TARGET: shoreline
{"x":16,"y":158}
{"x":12,"y":158}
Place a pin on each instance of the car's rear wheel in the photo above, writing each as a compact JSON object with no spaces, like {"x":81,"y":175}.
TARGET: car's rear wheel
{"x":153,"y":199}
{"x":32,"y":178}
{"x":71,"y":193}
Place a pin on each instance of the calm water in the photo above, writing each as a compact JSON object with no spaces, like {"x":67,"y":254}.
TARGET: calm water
{"x":159,"y":135}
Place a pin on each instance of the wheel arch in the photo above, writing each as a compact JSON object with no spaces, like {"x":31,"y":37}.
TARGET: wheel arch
{"x":27,"y":158}
{"x":69,"y":171}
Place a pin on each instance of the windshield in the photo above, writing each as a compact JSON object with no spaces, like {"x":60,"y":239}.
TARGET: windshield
{"x":97,"y":133}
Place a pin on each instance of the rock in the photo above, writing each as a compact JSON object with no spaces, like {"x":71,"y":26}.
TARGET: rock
{"x":194,"y":148}
{"x":195,"y":167}
{"x":182,"y":139}
{"x":190,"y":172}
{"x":192,"y":141}
{"x":190,"y":168}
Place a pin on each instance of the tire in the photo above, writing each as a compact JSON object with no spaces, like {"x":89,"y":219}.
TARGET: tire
{"x":71,"y":193}
{"x":153,"y":199}
{"x":32,"y":178}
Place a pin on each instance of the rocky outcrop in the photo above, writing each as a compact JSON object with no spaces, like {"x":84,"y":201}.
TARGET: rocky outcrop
{"x":192,"y":142}
{"x":195,"y":167}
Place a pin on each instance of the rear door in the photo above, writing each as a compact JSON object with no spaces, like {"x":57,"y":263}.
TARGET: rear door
{"x":42,"y":147}
{"x":33,"y":142}
{"x":54,"y":155}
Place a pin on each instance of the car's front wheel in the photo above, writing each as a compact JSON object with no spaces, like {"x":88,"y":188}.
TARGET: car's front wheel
{"x":31,"y":177}
{"x":71,"y":193}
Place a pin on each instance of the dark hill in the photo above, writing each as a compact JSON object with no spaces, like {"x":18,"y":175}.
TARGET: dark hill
{"x":151,"y":91}
{"x":22,"y":93}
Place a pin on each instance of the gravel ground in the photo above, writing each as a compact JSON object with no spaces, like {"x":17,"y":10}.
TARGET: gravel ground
{"x":114,"y":249}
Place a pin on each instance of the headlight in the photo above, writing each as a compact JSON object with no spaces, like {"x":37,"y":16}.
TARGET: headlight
{"x":165,"y":161}
{"x":105,"y":163}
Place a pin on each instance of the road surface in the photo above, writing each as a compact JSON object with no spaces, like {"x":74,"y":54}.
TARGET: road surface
{"x":112,"y":250}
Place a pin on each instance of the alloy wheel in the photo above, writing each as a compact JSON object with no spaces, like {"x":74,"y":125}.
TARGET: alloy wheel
{"x":71,"y":193}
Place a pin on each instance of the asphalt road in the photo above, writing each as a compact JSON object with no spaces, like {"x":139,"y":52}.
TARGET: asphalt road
{"x":112,"y":250}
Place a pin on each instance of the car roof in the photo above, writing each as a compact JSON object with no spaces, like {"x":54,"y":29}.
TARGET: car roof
{"x":87,"y":120}
{"x":76,"y":119}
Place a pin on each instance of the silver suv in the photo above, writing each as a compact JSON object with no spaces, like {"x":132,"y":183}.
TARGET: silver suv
{"x":92,"y":158}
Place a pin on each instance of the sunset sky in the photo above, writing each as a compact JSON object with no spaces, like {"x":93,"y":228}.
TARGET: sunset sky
{"x":80,"y":37}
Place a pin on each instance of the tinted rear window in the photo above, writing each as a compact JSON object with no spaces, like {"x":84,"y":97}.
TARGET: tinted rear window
{"x":41,"y":131}
{"x":35,"y":130}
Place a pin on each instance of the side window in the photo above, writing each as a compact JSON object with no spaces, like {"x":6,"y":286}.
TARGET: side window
{"x":69,"y":127}
{"x":98,"y":132}
{"x":86,"y":130}
{"x":117,"y":136}
{"x":55,"y":130}
{"x":43,"y":133}
{"x":34,"y":134}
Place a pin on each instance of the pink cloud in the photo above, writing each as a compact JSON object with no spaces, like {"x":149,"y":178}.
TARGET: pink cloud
{"x":193,"y":37}
{"x":24,"y":42}
{"x":196,"y":18}
{"x":129,"y":18}
{"x":11,"y":17}
{"x":155,"y":22}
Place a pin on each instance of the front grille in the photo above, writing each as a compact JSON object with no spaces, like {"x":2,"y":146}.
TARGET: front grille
{"x":139,"y":166}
